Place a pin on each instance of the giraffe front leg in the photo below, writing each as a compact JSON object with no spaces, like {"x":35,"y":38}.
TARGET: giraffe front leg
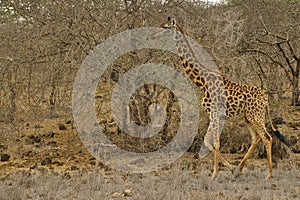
{"x":212,"y":137}
{"x":208,"y":140}
{"x":217,"y":156}
{"x":216,"y":162}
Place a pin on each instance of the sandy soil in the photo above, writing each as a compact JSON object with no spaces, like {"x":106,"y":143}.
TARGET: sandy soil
{"x":48,"y":161}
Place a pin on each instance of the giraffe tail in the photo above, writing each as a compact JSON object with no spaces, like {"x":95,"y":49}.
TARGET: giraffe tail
{"x":276,"y":132}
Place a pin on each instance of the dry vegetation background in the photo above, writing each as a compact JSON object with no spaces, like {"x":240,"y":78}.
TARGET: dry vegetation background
{"x":42,"y":45}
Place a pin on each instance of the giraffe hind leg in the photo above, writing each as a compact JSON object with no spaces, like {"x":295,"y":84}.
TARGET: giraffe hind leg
{"x":267,"y":140}
{"x":255,"y":140}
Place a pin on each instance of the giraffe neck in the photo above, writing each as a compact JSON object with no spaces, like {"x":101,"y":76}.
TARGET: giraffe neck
{"x":197,"y":72}
{"x":192,"y":67}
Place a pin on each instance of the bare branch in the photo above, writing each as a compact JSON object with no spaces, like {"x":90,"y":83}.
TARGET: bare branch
{"x":286,"y":58}
{"x":270,"y":57}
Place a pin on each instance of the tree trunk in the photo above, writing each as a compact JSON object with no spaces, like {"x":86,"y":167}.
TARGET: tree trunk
{"x":296,"y":92}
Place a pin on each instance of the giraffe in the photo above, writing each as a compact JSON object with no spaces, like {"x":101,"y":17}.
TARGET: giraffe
{"x":240,"y":99}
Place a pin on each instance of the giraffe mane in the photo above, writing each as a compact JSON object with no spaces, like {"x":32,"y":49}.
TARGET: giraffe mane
{"x":180,"y":30}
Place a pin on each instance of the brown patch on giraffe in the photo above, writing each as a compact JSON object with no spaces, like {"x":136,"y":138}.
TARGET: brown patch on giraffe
{"x":192,"y":76}
{"x":205,"y":100}
{"x":192,"y":67}
{"x":202,"y":80}
{"x":185,"y":64}
{"x":207,"y":95}
{"x":229,"y":99}
{"x":188,"y":70}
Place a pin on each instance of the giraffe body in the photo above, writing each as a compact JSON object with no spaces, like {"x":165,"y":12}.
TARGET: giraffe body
{"x":248,"y":101}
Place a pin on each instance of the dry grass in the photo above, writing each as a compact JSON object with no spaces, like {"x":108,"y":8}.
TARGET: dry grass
{"x":73,"y":174}
{"x":180,"y":181}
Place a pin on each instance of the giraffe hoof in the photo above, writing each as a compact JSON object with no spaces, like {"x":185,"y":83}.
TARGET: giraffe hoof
{"x":214,"y":175}
{"x":233,"y":170}
{"x":237,"y":172}
{"x":269,"y":177}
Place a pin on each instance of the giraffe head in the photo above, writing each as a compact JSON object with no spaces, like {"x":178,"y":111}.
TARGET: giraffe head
{"x":171,"y":24}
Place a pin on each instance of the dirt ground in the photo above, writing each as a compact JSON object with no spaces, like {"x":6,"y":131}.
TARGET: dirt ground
{"x":53,"y":164}
{"x":47,"y":160}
